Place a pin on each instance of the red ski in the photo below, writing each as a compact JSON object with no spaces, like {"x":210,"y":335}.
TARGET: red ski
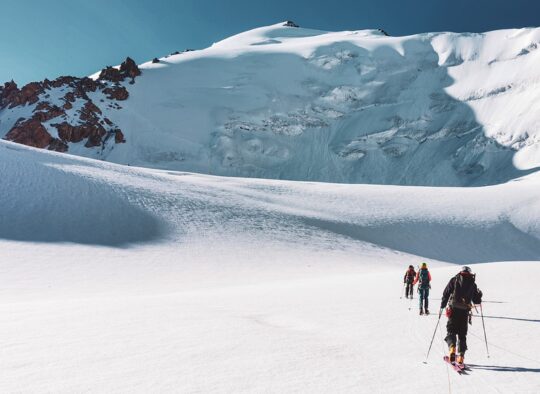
{"x":459,"y":368}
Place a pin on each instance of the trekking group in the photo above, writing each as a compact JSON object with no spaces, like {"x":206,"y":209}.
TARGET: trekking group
{"x":460,"y":295}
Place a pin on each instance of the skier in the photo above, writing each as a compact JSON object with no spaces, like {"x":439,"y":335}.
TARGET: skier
{"x":424,"y":278}
{"x":458,"y":294}
{"x":408,"y":280}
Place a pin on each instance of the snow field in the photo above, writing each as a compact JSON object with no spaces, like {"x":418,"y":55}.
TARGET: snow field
{"x":136,"y":280}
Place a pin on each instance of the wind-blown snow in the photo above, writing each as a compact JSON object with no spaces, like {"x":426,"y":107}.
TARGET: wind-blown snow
{"x":124,"y":279}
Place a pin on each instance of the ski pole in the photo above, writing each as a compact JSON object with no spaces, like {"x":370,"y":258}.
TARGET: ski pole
{"x":434,"y":332}
{"x":402,"y":291}
{"x":484,"y":327}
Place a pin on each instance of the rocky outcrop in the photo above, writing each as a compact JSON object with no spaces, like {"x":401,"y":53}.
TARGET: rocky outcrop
{"x":290,"y":24}
{"x":119,"y":137}
{"x":12,"y":96}
{"x":118,"y":93}
{"x":92,"y":132}
{"x":65,"y":104}
{"x":30,"y":132}
{"x":128,"y":69}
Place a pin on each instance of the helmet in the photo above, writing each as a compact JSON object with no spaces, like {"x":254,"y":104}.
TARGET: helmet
{"x":424,"y":265}
{"x":467,"y":269}
{"x":411,"y":267}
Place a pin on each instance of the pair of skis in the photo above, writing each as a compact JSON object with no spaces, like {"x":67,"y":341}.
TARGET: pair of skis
{"x":459,"y":368}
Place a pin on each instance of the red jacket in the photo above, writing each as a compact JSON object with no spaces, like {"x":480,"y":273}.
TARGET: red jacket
{"x":409,"y":276}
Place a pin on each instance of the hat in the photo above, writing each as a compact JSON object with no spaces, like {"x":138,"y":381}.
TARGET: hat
{"x":424,"y":265}
{"x":467,"y":269}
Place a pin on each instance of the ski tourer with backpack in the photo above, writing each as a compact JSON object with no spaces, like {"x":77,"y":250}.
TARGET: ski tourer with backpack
{"x":460,"y":294}
{"x":423,"y":278}
{"x":408,"y":280}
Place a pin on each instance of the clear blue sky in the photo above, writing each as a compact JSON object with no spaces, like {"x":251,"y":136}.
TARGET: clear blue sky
{"x":42,"y":39}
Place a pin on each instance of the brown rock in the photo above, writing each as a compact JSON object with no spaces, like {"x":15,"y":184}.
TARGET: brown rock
{"x":119,"y":137}
{"x":94,"y":139}
{"x":116,"y":93}
{"x":12,"y":96}
{"x":129,"y":68}
{"x":9,"y":90}
{"x":89,"y":85}
{"x":69,"y":97}
{"x":58,"y":145}
{"x":69,"y":133}
{"x":111,"y":74}
{"x":60,"y":81}
{"x":44,"y":112}
{"x":29,"y":132}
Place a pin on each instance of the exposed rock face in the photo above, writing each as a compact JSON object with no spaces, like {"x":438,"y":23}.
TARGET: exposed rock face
{"x":290,"y":24}
{"x":155,"y":60}
{"x":64,"y":108}
{"x":119,"y":137}
{"x":116,"y":93}
{"x":128,"y":69}
{"x":12,"y":96}
{"x":30,"y":132}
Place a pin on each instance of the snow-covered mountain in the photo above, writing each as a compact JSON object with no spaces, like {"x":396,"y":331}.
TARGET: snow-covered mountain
{"x":286,"y":102}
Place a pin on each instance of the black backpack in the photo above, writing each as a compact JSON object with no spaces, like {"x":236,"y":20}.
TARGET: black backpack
{"x":461,"y":297}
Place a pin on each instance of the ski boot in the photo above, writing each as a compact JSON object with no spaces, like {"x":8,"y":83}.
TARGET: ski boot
{"x":452,"y":355}
{"x":426,"y":312}
{"x":421,"y":311}
{"x":460,"y":360}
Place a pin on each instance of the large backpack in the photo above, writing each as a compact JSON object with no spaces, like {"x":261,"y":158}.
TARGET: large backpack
{"x":462,"y":300}
{"x":423,"y":276}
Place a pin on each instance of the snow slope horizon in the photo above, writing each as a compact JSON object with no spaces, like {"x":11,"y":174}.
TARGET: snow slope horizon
{"x":277,"y":102}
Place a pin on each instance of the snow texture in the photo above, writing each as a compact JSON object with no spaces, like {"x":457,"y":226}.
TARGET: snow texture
{"x":133,"y":280}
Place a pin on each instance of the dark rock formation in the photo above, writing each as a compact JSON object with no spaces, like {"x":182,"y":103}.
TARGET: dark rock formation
{"x":290,"y":24}
{"x":30,"y":132}
{"x":116,"y":93}
{"x":12,"y":96}
{"x":119,"y":137}
{"x":128,"y":69}
{"x":86,"y":123}
{"x":92,"y":132}
{"x":58,"y":145}
{"x":155,"y":60}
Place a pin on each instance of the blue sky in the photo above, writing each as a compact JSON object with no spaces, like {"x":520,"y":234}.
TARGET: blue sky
{"x":40,"y":39}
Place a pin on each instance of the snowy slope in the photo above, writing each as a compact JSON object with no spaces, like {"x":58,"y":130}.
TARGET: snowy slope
{"x":132,"y":280}
{"x":355,"y":107}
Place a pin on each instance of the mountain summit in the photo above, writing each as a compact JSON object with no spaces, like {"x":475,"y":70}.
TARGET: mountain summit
{"x":286,"y":102}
